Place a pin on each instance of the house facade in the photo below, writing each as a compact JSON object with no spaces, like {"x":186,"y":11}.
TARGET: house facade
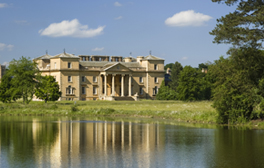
{"x":93,"y":77}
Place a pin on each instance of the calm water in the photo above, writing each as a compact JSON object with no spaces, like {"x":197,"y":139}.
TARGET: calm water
{"x":85,"y":142}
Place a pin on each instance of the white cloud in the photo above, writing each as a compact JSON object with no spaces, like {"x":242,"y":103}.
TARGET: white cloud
{"x":184,"y":58}
{"x":70,"y":29}
{"x":187,"y":18}
{"x":98,"y":49}
{"x":5,"y":46}
{"x":117,"y":4}
{"x":119,"y":17}
{"x":6,"y":63}
{"x":3,"y":5}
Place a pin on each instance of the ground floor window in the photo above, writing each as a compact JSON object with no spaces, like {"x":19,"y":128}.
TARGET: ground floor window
{"x":141,"y":90}
{"x":83,"y":90}
{"x":94,"y":90}
{"x":155,"y":90}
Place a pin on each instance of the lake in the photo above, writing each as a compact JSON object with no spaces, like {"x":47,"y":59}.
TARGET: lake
{"x":27,"y":141}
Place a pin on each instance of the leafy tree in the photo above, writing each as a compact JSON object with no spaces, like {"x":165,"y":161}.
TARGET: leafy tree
{"x":244,"y":27}
{"x":48,"y":89}
{"x":5,"y":86}
{"x":170,"y":65}
{"x":166,"y":93}
{"x":189,"y":85}
{"x":24,"y":73}
{"x":175,"y":73}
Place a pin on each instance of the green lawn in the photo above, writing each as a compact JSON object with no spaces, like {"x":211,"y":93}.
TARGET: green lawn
{"x":200,"y":111}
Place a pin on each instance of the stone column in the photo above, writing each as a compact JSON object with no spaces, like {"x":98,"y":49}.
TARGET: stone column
{"x":113,"y":84}
{"x":105,"y":86}
{"x":129,"y":86}
{"x":122,"y":85}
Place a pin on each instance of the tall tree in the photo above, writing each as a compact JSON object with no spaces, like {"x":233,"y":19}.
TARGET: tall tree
{"x":244,"y":26}
{"x":24,"y":74}
{"x":5,"y":89}
{"x":48,"y":89}
{"x":175,"y":73}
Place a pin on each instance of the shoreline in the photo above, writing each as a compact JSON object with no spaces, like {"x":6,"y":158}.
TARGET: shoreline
{"x":199,"y":112}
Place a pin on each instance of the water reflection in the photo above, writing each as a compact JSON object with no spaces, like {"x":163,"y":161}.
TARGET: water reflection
{"x":82,"y":142}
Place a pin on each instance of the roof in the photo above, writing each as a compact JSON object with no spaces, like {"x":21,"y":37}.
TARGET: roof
{"x":46,"y":56}
{"x":106,"y":64}
{"x":65,"y":55}
{"x":152,"y":57}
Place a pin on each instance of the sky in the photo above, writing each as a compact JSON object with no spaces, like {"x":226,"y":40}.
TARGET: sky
{"x":175,"y":30}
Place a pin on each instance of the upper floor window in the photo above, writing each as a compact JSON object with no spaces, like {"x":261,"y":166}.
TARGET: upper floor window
{"x":69,"y":79}
{"x":83,"y":78}
{"x":69,"y":65}
{"x":55,"y":65}
{"x":155,"y":67}
{"x":94,"y":79}
{"x":141,"y":79}
{"x":156,"y":80}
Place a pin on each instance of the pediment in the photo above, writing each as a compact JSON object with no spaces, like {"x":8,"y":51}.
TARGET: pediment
{"x":118,"y":67}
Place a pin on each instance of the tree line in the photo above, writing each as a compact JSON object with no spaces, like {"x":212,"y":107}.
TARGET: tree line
{"x":22,"y":80}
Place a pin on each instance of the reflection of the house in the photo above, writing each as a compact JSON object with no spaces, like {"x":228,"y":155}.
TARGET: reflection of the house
{"x":92,"y":139}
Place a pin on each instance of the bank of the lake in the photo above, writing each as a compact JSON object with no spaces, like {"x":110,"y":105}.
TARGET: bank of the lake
{"x":197,"y":111}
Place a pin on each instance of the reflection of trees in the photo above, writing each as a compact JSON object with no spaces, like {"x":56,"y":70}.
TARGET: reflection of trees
{"x":19,"y":136}
{"x":239,"y":148}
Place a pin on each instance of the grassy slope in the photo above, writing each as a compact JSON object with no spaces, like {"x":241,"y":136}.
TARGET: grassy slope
{"x":185,"y":111}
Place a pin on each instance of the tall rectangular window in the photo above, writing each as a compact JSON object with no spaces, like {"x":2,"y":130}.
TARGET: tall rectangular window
{"x":141,"y":79}
{"x":69,"y":78}
{"x":83,"y":78}
{"x":94,"y":90}
{"x":94,"y":79}
{"x":69,"y":65}
{"x":83,"y":90}
{"x":141,"y":90}
{"x":155,"y":90}
{"x":155,"y":67}
{"x":156,"y":80}
{"x":55,"y":65}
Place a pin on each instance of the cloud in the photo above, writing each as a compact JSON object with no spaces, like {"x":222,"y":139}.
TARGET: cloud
{"x":117,"y":4}
{"x":119,"y":17}
{"x":3,"y":5}
{"x":6,"y":63}
{"x":71,"y":28}
{"x":187,"y":18}
{"x":184,"y":58}
{"x":98,"y":49}
{"x":5,"y":46}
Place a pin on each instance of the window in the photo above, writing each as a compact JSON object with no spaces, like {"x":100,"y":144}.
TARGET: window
{"x":94,"y":79}
{"x":55,"y":65}
{"x":69,"y":89}
{"x":155,"y":90}
{"x":69,"y":65}
{"x":83,"y":78}
{"x":156,"y":80}
{"x":94,"y":90}
{"x":155,"y":67}
{"x":83,"y":90}
{"x":141,"y":90}
{"x":83,"y":58}
{"x":140,"y":79}
{"x":69,"y":78}
{"x":69,"y":98}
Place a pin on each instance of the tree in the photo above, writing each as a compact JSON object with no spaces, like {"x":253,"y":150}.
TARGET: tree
{"x":170,"y":65}
{"x":244,"y":27}
{"x":48,"y":89}
{"x":189,"y":87}
{"x":175,"y":73}
{"x":166,"y":93}
{"x":24,"y":74}
{"x":5,"y":86}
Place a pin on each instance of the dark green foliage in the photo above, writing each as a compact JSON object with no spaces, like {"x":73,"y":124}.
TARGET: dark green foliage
{"x":244,"y":27}
{"x":175,"y":73}
{"x":170,"y":65}
{"x":48,"y":89}
{"x":166,"y":93}
{"x":74,"y":108}
{"x":5,"y":86}
{"x":238,"y":85}
{"x":24,"y":73}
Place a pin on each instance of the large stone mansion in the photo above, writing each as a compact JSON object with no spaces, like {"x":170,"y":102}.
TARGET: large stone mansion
{"x":93,"y":77}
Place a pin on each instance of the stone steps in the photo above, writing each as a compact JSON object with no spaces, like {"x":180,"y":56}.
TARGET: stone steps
{"x":124,"y":99}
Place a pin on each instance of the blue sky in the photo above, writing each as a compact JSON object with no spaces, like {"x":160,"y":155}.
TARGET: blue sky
{"x":175,"y":30}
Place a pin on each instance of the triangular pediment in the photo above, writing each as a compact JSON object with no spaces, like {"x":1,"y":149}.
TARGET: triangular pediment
{"x":118,"y":67}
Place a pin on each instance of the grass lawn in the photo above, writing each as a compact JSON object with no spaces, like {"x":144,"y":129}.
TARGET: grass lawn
{"x":200,"y":111}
